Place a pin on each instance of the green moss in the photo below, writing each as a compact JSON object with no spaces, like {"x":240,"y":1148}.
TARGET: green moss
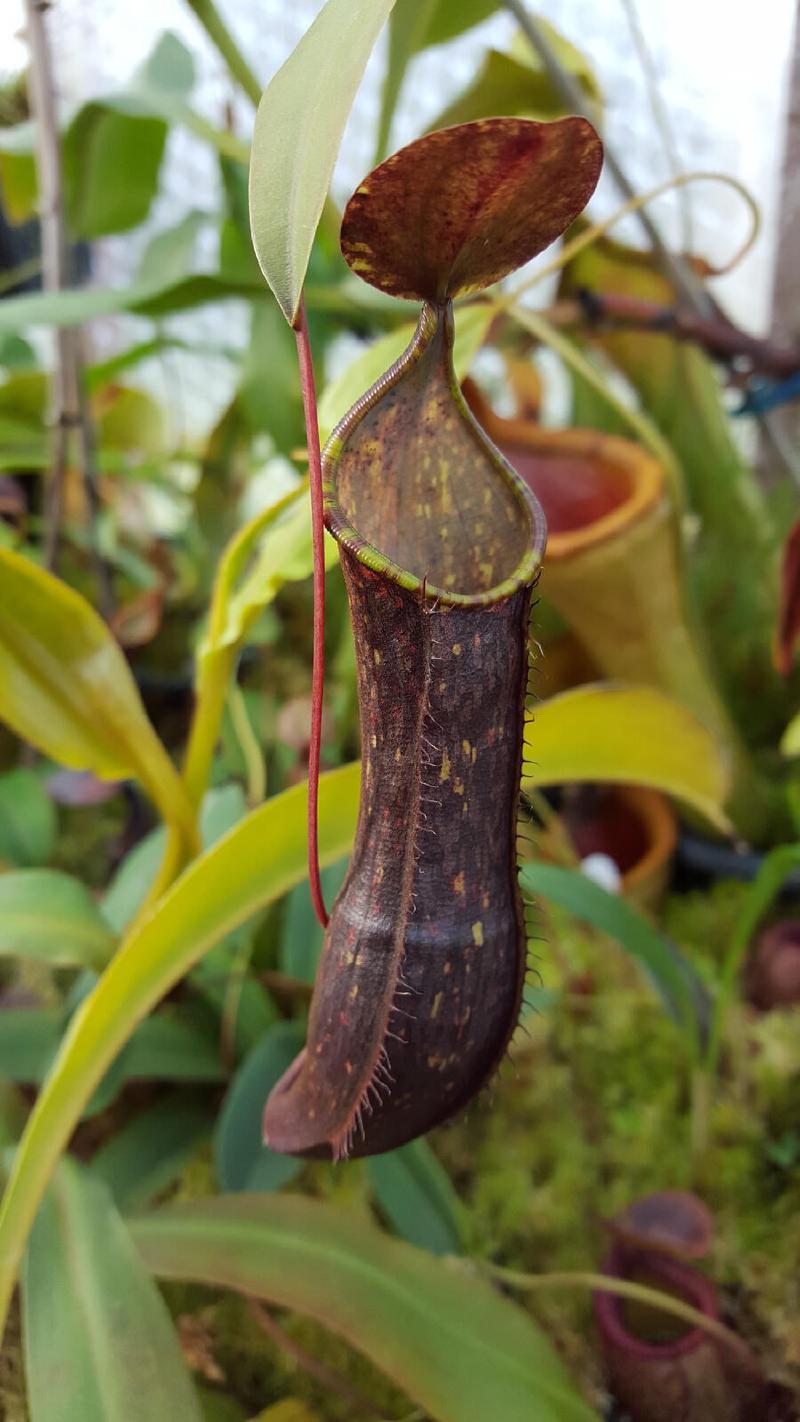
{"x":591,"y":1111}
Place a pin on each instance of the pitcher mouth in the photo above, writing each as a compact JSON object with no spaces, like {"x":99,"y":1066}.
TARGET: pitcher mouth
{"x":389,"y":470}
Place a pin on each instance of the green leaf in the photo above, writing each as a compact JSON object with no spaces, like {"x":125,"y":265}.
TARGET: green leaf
{"x":66,"y":687}
{"x":163,"y":1048}
{"x":451,"y":18}
{"x":415,"y":25}
{"x":629,"y":735}
{"x":414,"y":1192}
{"x":517,"y":84}
{"x":671,"y":974}
{"x":461,"y":1350}
{"x":149,"y":1152}
{"x":297,"y":134}
{"x":27,"y":817}
{"x":53,"y":918}
{"x":260,"y":859}
{"x":172,"y":1047}
{"x":222,"y":808}
{"x":111,"y":161}
{"x":242,"y":1161}
{"x":128,"y":888}
{"x":99,"y":1342}
{"x":409,"y":24}
{"x":18,"y":170}
{"x":169,"y":255}
{"x":270,"y":386}
{"x":472,"y":328}
{"x":302,"y":933}
{"x":168,"y":71}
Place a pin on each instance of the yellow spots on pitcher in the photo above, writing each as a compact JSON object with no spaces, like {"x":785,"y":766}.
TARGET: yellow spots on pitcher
{"x":459,"y":883}
{"x":354,"y":992}
{"x":456,"y":649}
{"x":377,"y":656}
{"x":437,"y":1002}
{"x":446,"y":502}
{"x":373,"y":740}
{"x":444,"y":773}
{"x":398,"y":756}
{"x":466,"y":747}
{"x":477,"y":934}
{"x":458,"y":785}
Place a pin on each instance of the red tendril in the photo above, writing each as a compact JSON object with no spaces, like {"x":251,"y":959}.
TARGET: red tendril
{"x":318,"y":545}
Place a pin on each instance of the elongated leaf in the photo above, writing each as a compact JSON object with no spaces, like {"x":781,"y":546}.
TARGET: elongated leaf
{"x":297,"y":134}
{"x":627,"y":734}
{"x":472,"y":328}
{"x":151,"y":1150}
{"x":670,"y":973}
{"x":414,"y":1192}
{"x":163,"y":1047}
{"x":99,"y":1342}
{"x":441,"y":1332}
{"x":52,"y":917}
{"x":261,"y":858}
{"x":66,"y":687}
{"x":409,"y":23}
{"x":222,"y":808}
{"x":27,"y":817}
{"x":281,"y":534}
{"x":242,"y":1161}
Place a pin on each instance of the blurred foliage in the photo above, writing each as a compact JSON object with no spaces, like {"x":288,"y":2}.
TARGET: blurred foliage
{"x":163,"y":1062}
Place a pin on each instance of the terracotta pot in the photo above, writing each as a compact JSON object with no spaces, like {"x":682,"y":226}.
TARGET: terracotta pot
{"x":613,"y":572}
{"x":661,"y":1371}
{"x":635,"y":826}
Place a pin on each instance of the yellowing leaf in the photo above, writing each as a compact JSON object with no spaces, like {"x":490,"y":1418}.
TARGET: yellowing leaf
{"x":262,"y":857}
{"x":790,"y":741}
{"x":297,"y":134}
{"x":66,"y":688}
{"x":628,"y":734}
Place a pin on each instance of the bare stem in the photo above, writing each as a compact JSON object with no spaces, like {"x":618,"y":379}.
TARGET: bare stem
{"x":68,"y":408}
{"x":225,"y":44}
{"x":318,"y":669}
{"x":622,"y":1288}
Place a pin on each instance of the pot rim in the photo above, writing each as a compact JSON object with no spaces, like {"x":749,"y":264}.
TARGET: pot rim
{"x":648,"y":479}
{"x":694,"y":1288}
